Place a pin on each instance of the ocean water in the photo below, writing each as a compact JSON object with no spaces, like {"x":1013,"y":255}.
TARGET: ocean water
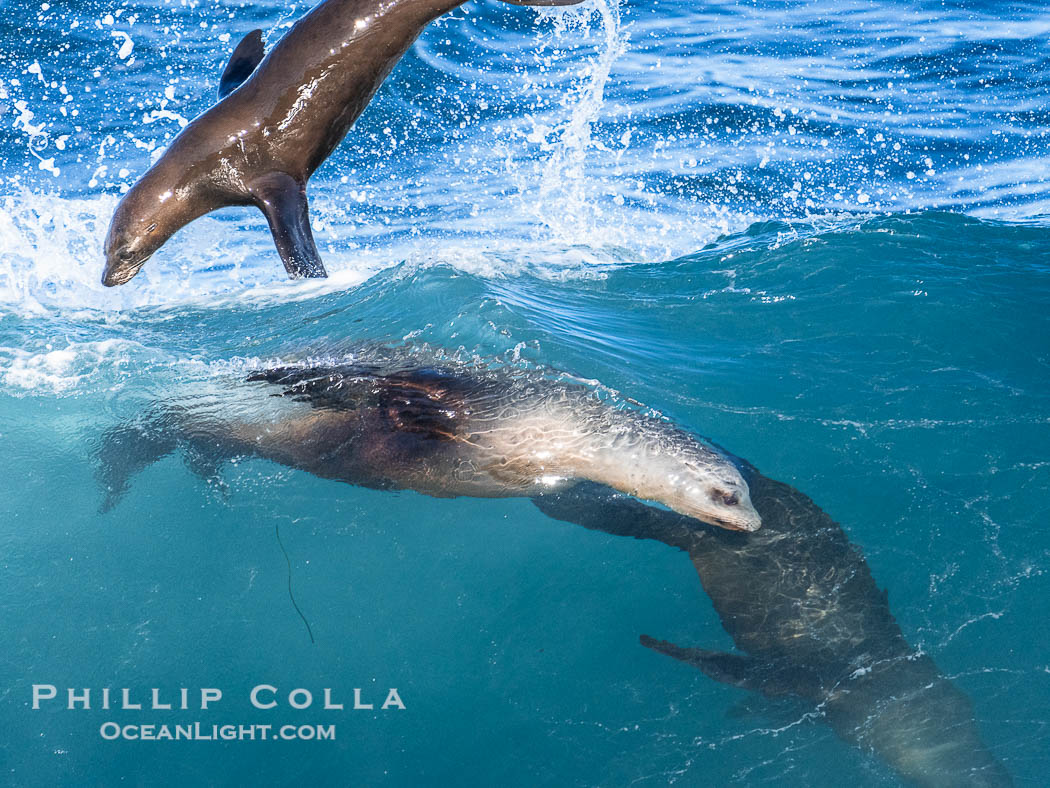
{"x":815,"y":232}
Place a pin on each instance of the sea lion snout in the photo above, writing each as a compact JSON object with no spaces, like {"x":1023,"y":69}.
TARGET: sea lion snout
{"x":747,"y":524}
{"x":740,"y":516}
{"x":121,"y":266}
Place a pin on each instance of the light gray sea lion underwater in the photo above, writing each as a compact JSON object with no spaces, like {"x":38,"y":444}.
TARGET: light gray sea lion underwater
{"x":801,"y":605}
{"x":440,"y":431}
{"x":278,"y":118}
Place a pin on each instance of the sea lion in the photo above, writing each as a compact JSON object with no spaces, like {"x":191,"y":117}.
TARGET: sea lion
{"x":278,"y":118}
{"x":810,"y":623}
{"x":440,"y":431}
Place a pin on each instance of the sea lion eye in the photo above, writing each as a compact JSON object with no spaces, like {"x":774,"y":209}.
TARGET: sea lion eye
{"x":729,"y":499}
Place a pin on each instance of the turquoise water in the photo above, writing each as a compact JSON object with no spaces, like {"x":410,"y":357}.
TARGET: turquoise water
{"x":816,"y":233}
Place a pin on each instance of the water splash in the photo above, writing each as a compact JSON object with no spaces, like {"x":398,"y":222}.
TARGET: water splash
{"x":569,"y":161}
{"x":566,"y":194}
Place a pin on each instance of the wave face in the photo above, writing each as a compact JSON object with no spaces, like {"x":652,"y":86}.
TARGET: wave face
{"x":815,"y":233}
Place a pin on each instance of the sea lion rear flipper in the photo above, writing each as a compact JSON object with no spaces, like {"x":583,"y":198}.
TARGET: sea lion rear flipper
{"x":247,"y":55}
{"x":735,"y":669}
{"x":283,"y":200}
{"x":125,"y":451}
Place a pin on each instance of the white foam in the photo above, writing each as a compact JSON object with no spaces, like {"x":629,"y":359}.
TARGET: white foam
{"x":51,"y":261}
{"x":51,"y":258}
{"x":68,"y":369}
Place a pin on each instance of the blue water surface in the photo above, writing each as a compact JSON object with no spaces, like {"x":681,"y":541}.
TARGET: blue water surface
{"x":816,"y":232}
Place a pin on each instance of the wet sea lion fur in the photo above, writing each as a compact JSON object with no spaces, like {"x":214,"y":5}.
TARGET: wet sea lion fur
{"x":444,"y":432}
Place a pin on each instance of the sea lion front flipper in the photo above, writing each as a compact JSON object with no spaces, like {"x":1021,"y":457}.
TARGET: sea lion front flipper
{"x":601,"y":508}
{"x":207,"y":465}
{"x":283,"y":200}
{"x":746,"y":672}
{"x":247,"y":55}
{"x":735,"y":669}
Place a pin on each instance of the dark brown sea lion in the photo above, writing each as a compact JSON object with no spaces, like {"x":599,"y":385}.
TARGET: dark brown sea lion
{"x":810,"y":623}
{"x":278,"y":118}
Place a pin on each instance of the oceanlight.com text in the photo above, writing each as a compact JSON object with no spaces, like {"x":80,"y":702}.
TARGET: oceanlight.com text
{"x":196,"y":731}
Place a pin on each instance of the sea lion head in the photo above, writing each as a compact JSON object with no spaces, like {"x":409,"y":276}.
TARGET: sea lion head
{"x":721,"y":498}
{"x":686,"y":475}
{"x":146,"y":217}
{"x":654,"y":461}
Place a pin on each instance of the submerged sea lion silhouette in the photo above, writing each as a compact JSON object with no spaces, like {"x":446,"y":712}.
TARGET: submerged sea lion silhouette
{"x":440,"y":431}
{"x":278,"y":118}
{"x":801,"y":605}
